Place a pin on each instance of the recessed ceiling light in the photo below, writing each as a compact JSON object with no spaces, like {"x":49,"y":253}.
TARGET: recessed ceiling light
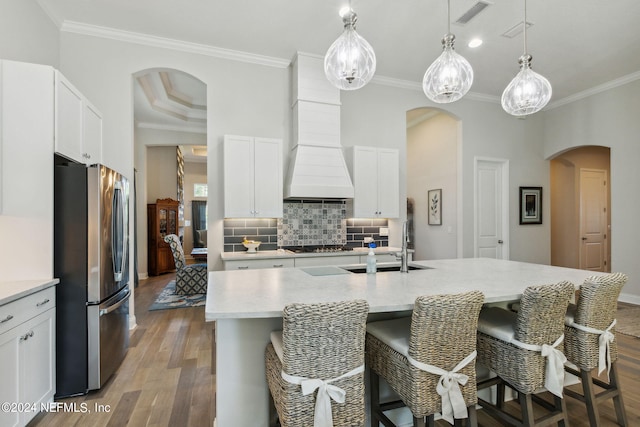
{"x":475,"y":43}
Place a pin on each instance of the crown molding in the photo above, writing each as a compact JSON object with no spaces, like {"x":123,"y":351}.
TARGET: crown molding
{"x":595,"y":90}
{"x":234,"y":55}
{"x":174,"y":128}
{"x":166,"y":43}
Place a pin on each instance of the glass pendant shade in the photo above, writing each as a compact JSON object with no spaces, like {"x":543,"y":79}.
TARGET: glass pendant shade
{"x":528,"y":92}
{"x":350,"y":62}
{"x":450,"y":76}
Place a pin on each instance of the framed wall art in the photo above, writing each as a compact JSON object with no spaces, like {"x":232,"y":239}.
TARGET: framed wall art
{"x":530,"y":205}
{"x":435,"y":206}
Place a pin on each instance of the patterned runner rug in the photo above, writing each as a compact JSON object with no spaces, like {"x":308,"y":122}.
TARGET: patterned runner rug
{"x":168,"y":299}
{"x":628,"y":322}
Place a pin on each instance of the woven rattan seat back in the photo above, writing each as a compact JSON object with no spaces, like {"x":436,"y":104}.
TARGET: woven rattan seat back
{"x":596,"y":308}
{"x":541,"y":315}
{"x":442,"y":334}
{"x":540,"y":320}
{"x":590,"y":343}
{"x":321,"y":341}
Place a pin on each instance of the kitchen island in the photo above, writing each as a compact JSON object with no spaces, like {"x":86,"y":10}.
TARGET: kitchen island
{"x":247,"y":305}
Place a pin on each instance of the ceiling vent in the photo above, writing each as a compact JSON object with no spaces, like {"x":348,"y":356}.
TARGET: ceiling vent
{"x":472,"y":12}
{"x":515,"y":30}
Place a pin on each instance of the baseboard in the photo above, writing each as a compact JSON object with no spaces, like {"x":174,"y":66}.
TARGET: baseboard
{"x":143,"y":276}
{"x":132,"y":322}
{"x":629,"y":298}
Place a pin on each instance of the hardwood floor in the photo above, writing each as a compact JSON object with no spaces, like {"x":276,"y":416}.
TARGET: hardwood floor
{"x":168,"y":378}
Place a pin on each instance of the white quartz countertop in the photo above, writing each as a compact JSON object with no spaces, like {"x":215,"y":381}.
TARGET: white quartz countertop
{"x":263,"y":293}
{"x":282,"y":253}
{"x":11,"y":291}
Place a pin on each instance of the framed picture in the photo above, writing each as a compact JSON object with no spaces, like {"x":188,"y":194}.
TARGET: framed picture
{"x":530,"y":205}
{"x":435,"y":207}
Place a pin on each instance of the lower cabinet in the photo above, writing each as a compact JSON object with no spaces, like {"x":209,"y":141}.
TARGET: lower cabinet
{"x":251,"y":264}
{"x":307,"y":261}
{"x":27,"y":359}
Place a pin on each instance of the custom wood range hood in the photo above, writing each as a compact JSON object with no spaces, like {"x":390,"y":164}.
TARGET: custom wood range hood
{"x":317,"y":168}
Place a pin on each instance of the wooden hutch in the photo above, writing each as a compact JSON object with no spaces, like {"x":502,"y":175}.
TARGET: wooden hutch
{"x":162,"y":219}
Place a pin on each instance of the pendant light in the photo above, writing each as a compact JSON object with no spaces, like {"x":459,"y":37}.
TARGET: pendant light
{"x":528,"y":92}
{"x":450,"y":76}
{"x":350,"y":62}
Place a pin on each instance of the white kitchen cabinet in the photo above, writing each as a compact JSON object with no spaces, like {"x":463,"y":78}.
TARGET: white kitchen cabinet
{"x":376,"y":180}
{"x":251,"y":264}
{"x":252,"y":177}
{"x":78,"y":124}
{"x":27,"y":356}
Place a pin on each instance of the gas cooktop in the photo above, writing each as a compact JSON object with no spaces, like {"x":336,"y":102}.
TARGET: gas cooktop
{"x":317,"y":249}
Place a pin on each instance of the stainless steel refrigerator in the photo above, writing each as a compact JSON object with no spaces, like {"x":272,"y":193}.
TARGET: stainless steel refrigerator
{"x":91,"y":259}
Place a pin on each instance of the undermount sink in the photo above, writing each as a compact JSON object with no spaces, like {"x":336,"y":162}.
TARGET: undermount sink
{"x":383,"y":268}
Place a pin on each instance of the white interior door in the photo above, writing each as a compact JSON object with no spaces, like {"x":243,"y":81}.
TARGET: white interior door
{"x":491,"y":204}
{"x":593,"y":219}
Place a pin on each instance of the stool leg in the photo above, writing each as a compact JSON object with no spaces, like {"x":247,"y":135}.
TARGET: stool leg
{"x":618,"y":403}
{"x":526,"y":405}
{"x":473,"y":416}
{"x":274,"y":421}
{"x":561,"y":405}
{"x":590,"y":397}
{"x":374,"y":382}
{"x":500,"y":391}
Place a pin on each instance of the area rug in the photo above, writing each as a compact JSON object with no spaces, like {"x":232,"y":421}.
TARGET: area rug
{"x":168,"y":299}
{"x":628,"y":321}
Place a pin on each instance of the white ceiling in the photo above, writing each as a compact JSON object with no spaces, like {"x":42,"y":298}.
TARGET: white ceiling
{"x":577,"y":44}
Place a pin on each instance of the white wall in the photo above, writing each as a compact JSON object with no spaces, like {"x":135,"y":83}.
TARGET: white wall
{"x":242,"y":99}
{"x":608,"y":119}
{"x":432,"y":162}
{"x":26,"y":138}
{"x":162,"y":173}
{"x":375,"y":115}
{"x":27,"y":34}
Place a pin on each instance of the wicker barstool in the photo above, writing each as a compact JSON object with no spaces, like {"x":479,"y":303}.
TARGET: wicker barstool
{"x":590,"y":343}
{"x":524,"y":350}
{"x":321,"y":347}
{"x":427,"y":359}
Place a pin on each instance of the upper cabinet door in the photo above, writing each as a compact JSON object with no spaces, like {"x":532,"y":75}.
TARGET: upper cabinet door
{"x":68,"y":123}
{"x":92,"y":141}
{"x":268,"y":178}
{"x":238,"y":177}
{"x":388,"y":183}
{"x":252,"y":177}
{"x":78,"y":124}
{"x":376,"y":181}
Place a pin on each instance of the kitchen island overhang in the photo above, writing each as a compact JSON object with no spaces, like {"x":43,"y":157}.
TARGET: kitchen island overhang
{"x":247,"y":306}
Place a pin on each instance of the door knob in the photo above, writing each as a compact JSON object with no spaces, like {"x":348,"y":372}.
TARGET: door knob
{"x":500,"y":242}
{"x":584,"y":238}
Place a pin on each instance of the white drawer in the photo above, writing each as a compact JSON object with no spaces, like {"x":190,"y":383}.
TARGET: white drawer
{"x":25,"y":308}
{"x":258,"y":263}
{"x":326,"y":260}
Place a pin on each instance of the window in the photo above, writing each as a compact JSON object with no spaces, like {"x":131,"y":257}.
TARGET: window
{"x":200,"y":190}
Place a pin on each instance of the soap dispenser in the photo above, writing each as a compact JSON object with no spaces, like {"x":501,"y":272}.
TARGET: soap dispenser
{"x":371,"y":259}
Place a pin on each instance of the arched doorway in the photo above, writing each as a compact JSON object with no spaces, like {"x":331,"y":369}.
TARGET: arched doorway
{"x":170,"y":153}
{"x":580,"y":209}
{"x":433,"y":150}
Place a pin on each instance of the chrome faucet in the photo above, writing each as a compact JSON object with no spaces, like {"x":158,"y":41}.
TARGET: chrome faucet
{"x":403,"y":256}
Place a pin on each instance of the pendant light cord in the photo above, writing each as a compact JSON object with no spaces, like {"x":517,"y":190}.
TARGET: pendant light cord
{"x":448,"y":16}
{"x":524,"y":27}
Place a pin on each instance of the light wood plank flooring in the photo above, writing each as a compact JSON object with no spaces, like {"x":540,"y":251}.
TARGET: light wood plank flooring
{"x":168,"y":378}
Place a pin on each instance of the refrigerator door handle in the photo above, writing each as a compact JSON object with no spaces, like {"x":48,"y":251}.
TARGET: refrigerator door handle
{"x":118,"y":238}
{"x":116,"y":305}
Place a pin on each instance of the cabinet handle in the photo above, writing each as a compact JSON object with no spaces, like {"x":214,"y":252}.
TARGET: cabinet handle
{"x":26,"y":336}
{"x":40,"y":304}
{"x":243,"y":267}
{"x":6,"y":319}
{"x":278,"y":265}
